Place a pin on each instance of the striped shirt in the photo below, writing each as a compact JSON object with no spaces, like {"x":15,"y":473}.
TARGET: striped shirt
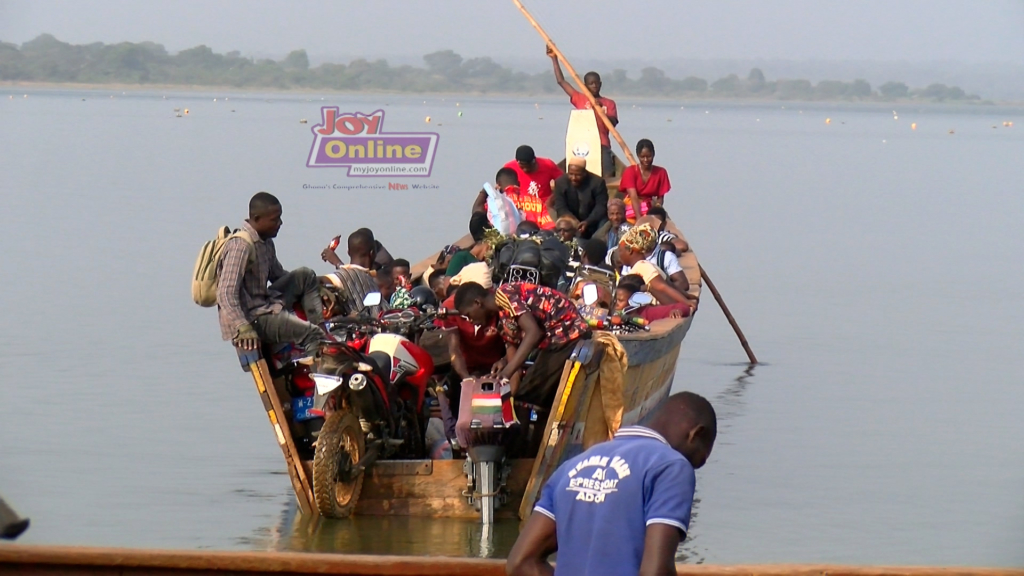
{"x":242,"y":289}
{"x":355,"y":282}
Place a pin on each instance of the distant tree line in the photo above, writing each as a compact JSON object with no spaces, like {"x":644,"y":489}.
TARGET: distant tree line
{"x":46,"y":59}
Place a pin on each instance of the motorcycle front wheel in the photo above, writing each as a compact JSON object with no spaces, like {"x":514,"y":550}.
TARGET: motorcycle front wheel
{"x":339,"y":447}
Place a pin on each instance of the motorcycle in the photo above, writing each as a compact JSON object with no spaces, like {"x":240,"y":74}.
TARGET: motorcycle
{"x":481,"y":429}
{"x":371,"y":383}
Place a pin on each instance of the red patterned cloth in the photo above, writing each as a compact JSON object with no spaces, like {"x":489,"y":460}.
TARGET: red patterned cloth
{"x":556,"y":314}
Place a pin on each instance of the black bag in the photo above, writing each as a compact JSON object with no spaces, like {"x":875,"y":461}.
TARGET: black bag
{"x":554,"y":259}
{"x":516,"y":252}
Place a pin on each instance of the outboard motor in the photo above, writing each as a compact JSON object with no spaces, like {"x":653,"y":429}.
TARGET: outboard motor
{"x":481,"y":430}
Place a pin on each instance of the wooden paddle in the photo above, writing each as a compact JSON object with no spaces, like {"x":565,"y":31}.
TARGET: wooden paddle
{"x":632,"y":160}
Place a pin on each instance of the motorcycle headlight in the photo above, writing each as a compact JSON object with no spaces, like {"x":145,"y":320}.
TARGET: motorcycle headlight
{"x":357,"y":382}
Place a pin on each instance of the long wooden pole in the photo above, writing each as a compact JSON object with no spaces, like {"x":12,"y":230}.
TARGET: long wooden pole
{"x":728,"y":315}
{"x":583,"y":87}
{"x":632,"y":160}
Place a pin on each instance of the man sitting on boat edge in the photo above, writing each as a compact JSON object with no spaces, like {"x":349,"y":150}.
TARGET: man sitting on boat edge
{"x":255,"y":295}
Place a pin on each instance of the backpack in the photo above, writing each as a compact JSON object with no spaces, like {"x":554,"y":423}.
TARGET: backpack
{"x":204,"y":277}
{"x":554,"y":260}
{"x":522,"y":252}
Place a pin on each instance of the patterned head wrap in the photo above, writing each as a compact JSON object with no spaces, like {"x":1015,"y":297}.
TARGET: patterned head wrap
{"x":641,"y":239}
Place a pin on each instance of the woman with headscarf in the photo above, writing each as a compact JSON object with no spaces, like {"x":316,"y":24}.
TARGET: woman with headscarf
{"x":635,"y":247}
{"x":644,"y":184}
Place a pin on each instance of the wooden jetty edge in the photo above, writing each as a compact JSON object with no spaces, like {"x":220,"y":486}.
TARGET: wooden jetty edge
{"x":38,"y":560}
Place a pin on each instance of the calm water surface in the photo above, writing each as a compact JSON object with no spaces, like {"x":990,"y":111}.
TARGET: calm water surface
{"x":876,"y":271}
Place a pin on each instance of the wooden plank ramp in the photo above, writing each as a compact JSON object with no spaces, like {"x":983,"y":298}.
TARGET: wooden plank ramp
{"x":76,"y":561}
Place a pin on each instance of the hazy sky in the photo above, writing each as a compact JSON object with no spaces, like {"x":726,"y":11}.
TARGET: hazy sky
{"x":886,"y":30}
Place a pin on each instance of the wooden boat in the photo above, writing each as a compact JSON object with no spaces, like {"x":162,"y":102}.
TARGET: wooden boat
{"x":79,"y":561}
{"x":439,"y":487}
{"x":443,"y":488}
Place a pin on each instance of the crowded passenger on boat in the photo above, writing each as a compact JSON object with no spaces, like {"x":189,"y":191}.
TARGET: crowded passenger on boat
{"x":515,"y":297}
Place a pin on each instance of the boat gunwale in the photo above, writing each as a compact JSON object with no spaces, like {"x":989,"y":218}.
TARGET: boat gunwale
{"x":90,"y":560}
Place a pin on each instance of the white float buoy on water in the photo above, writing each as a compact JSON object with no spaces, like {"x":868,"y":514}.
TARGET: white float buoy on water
{"x":186,"y":111}
{"x":913,"y":125}
{"x":460,"y":113}
{"x":828,"y":120}
{"x":428,"y":119}
{"x":302,"y":121}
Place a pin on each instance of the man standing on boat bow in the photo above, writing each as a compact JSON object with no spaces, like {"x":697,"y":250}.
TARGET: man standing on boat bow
{"x":622,"y":507}
{"x":580,"y":102}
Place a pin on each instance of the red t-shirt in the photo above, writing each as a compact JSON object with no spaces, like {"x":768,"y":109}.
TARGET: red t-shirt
{"x":580,"y":101}
{"x":534,"y":191}
{"x":481,"y":346}
{"x":657,"y":185}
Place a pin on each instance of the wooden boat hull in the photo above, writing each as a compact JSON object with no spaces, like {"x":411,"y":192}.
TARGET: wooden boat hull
{"x":80,"y":561}
{"x":438,"y":488}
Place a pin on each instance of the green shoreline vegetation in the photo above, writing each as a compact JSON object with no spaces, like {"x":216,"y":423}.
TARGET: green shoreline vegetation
{"x":48,"y":60}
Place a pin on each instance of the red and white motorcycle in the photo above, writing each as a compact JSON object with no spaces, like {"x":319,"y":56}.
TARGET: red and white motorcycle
{"x":370,"y":389}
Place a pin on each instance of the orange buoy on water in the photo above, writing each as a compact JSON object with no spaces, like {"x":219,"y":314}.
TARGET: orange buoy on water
{"x":186,"y":110}
{"x":828,"y":120}
{"x":913,"y":125}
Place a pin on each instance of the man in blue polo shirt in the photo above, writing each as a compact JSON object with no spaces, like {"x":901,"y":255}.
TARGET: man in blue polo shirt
{"x":622,"y":507}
